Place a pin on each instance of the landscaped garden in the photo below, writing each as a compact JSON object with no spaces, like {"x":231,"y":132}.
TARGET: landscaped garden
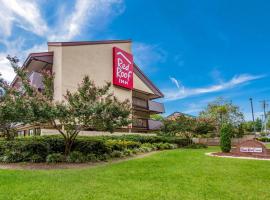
{"x":172,"y":174}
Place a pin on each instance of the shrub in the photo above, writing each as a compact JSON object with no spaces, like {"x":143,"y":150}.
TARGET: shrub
{"x":34,"y":148}
{"x":76,"y":157}
{"x":91,"y":145}
{"x":117,"y":154}
{"x":127,"y":152}
{"x":55,"y":158}
{"x":121,"y":145}
{"x":225,"y":137}
{"x":103,"y":157}
{"x":35,"y":158}
{"x":135,"y":151}
{"x":12,"y":157}
{"x":264,"y":139}
{"x":91,"y":157}
{"x":197,"y":146}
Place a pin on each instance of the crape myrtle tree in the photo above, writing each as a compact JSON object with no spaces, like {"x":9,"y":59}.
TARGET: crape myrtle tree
{"x":89,"y":107}
{"x":181,"y":125}
{"x":222,"y":112}
{"x":13,"y":107}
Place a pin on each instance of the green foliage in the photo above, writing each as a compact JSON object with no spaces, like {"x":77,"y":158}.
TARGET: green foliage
{"x":121,"y":144}
{"x":117,"y":154}
{"x":223,"y":112}
{"x":264,"y":139}
{"x":91,"y":157}
{"x":205,"y":126}
{"x":157,"y":117}
{"x":76,"y":157}
{"x":197,"y":146}
{"x":181,"y":125}
{"x":55,"y":158}
{"x":93,"y":145}
{"x":49,"y":148}
{"x":225,"y":137}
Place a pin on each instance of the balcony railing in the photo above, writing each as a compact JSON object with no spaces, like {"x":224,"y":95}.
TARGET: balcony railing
{"x":149,"y":105}
{"x":154,"y":124}
{"x":156,"y":106}
{"x":142,"y":103}
{"x":36,"y":80}
{"x":140,"y":123}
{"x":149,"y":124}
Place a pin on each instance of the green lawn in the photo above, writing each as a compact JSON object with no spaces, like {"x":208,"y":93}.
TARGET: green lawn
{"x":267,"y":145}
{"x":175,"y":174}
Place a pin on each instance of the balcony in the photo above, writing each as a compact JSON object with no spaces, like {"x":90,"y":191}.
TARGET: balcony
{"x":156,"y":106}
{"x":154,"y":124}
{"x":36,"y":80}
{"x":152,"y":106}
{"x":149,"y":124}
{"x":140,"y":123}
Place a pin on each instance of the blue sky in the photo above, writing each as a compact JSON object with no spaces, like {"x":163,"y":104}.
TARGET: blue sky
{"x":194,"y":51}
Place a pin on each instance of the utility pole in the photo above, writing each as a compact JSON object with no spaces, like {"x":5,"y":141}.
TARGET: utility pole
{"x":264,"y":105}
{"x":262,"y":123}
{"x":252,"y":111}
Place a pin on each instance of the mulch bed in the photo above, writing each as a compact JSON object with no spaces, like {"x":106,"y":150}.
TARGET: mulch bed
{"x":221,"y":154}
{"x":51,"y":166}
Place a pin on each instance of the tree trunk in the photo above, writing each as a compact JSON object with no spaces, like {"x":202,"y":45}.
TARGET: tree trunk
{"x":68,"y":145}
{"x":9,"y":135}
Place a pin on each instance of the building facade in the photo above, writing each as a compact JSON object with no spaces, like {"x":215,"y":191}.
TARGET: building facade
{"x":102,"y":61}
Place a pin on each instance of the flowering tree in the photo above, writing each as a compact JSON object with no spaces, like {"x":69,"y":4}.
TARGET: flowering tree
{"x":223,"y":112}
{"x":89,"y":107}
{"x":14,"y":109}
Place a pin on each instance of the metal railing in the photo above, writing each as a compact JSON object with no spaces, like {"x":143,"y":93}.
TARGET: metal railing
{"x":147,"y":104}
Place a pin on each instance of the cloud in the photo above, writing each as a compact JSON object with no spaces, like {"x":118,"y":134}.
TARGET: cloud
{"x":147,"y":55}
{"x":27,"y":15}
{"x":175,"y":82}
{"x":181,"y":93}
{"x":86,"y":13}
{"x":24,"y":14}
{"x":6,"y":70}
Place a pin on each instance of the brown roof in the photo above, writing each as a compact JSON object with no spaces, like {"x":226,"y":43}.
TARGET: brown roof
{"x":87,"y":42}
{"x":46,"y":57}
{"x":147,"y":81}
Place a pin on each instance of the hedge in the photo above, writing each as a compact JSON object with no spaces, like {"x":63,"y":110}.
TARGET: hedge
{"x":264,"y":139}
{"x":51,"y":148}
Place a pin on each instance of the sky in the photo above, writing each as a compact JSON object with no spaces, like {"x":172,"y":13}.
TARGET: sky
{"x":194,"y":51}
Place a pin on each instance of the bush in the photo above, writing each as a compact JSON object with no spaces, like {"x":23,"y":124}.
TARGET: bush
{"x":91,"y":145}
{"x":12,"y":157}
{"x":117,"y":154}
{"x":91,"y":157}
{"x":127,"y":152}
{"x":55,"y":158}
{"x":76,"y":157}
{"x":197,"y":146}
{"x":264,"y":139}
{"x":35,"y":158}
{"x":121,"y":145}
{"x":50,"y":148}
{"x":33,"y":148}
{"x":103,"y":157}
{"x":225,"y":137}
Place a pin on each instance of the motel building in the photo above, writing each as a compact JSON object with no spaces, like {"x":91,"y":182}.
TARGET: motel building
{"x":103,"y":61}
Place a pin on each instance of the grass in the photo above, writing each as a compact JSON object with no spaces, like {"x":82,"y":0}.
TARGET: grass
{"x":175,"y":174}
{"x":267,"y":145}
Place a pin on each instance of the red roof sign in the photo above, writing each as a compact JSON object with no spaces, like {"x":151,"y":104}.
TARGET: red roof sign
{"x":122,"y":68}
